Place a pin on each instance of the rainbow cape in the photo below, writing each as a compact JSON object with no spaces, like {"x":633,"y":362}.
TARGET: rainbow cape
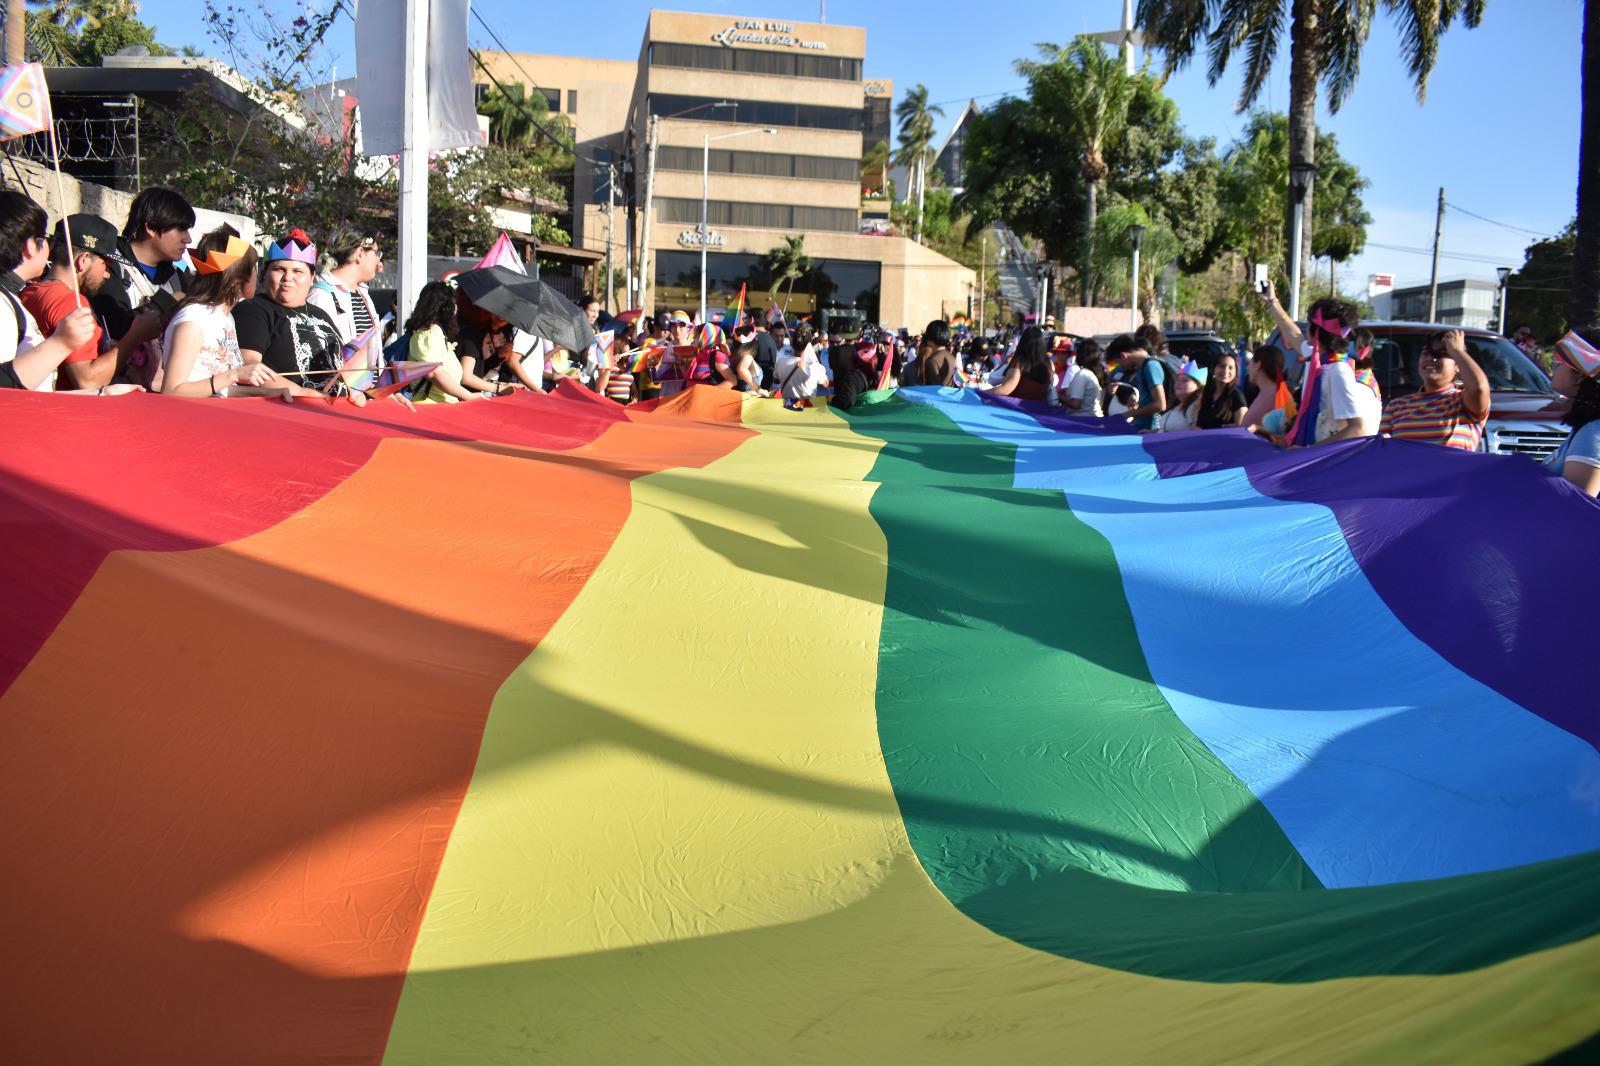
{"x":702,"y":730}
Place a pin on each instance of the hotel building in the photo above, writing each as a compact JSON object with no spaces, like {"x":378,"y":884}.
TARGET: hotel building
{"x":642,"y":133}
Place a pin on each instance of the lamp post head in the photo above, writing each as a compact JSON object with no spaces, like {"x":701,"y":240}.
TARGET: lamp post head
{"x":1136,"y":234}
{"x":1504,"y":272}
{"x":1300,"y":178}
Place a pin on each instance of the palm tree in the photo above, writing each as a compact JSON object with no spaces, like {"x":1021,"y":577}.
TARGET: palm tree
{"x":511,"y":116}
{"x":916,"y":140}
{"x":1585,"y":309}
{"x":1092,"y":91}
{"x":874,"y":164}
{"x":1325,"y":42}
{"x":787,"y":263}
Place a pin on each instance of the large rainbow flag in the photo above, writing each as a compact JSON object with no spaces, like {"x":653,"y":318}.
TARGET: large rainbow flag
{"x":940,"y":730}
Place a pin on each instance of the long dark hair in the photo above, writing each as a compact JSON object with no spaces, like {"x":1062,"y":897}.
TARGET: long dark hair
{"x":937,"y":334}
{"x":435,"y":306}
{"x":1090,"y":358}
{"x":1032,"y":357}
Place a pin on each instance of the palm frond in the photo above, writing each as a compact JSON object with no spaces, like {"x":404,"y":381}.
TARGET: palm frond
{"x":1261,"y":32}
{"x":1346,"y":25}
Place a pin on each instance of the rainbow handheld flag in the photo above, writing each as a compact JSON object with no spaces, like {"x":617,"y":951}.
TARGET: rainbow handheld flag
{"x":1009,"y":811}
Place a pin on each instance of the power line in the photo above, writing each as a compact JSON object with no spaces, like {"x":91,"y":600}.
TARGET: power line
{"x":1488,"y":260}
{"x":1492,"y":222}
{"x":528,"y":78}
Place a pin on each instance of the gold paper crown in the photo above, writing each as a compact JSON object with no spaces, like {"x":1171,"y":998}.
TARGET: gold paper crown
{"x":215,"y":262}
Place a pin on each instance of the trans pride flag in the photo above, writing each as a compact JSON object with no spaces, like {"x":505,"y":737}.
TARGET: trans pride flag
{"x":924,"y":747}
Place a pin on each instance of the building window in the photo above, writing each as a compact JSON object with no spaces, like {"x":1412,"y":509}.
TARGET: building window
{"x":759,"y":164}
{"x":841,"y":291}
{"x":552,"y":97}
{"x":572,"y":101}
{"x":479,"y":91}
{"x":759,"y":216}
{"x":875,"y":120}
{"x":759,"y":113}
{"x":753,"y":61}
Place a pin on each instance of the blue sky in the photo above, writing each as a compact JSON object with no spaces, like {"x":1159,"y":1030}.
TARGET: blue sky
{"x":1499,"y":129}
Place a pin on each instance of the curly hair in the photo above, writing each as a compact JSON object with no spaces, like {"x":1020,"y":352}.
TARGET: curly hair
{"x":1332,"y":307}
{"x":435,"y":306}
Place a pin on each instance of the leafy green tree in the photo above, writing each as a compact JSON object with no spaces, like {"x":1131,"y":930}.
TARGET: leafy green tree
{"x":1255,"y":200}
{"x":1540,"y":293}
{"x":916,"y":138}
{"x":1092,"y":92}
{"x":1019,"y":174}
{"x":1326,"y":38}
{"x":1158,"y":247}
{"x":79,"y":33}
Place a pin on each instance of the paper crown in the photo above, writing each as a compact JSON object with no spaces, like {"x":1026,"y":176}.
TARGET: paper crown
{"x":1194,"y":370}
{"x":1579,"y":354}
{"x":296,"y":248}
{"x":215,"y":261}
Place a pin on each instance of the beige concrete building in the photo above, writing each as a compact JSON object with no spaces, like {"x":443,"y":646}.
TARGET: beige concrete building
{"x":768,"y":118}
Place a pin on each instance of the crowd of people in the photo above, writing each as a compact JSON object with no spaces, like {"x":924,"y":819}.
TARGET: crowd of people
{"x":102,"y":311}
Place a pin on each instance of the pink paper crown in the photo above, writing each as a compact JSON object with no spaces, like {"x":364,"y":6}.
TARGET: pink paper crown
{"x":296,"y":247}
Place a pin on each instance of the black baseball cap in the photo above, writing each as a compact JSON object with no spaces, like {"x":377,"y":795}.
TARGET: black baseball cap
{"x":90,"y":233}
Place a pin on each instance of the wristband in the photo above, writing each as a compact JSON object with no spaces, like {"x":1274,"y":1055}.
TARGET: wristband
{"x":212,"y":381}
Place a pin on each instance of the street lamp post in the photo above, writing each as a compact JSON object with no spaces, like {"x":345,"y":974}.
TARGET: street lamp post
{"x":652,"y":147}
{"x":1505,"y":276}
{"x":1136,"y":234}
{"x":1301,"y":175}
{"x":705,"y":198}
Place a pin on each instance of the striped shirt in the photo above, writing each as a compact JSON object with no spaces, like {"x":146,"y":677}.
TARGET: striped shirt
{"x":619,"y":386}
{"x":1434,"y":418}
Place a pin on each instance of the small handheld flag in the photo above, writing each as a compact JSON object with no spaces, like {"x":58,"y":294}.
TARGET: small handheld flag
{"x":24,"y":101}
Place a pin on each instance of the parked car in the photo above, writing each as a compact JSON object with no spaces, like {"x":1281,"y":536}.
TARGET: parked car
{"x":1201,"y":345}
{"x":1524,"y":411}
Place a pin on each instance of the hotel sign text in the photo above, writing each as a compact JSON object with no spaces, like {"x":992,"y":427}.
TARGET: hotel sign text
{"x":759,"y":31}
{"x":690,"y":238}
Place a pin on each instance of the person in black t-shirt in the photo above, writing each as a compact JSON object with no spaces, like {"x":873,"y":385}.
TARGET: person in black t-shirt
{"x":278,"y":328}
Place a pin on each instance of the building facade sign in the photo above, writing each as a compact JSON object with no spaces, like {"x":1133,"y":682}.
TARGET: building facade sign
{"x":690,"y":238}
{"x":760,"y":31}
{"x":875,"y":88}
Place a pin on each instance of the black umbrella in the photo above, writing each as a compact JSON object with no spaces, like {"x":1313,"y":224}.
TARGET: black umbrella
{"x":528,"y":304}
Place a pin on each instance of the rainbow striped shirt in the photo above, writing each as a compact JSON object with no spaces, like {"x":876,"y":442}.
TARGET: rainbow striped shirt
{"x":1433,"y":418}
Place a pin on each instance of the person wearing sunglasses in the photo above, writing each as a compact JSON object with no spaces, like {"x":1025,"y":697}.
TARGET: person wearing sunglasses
{"x":341,"y":289}
{"x":1442,"y":412}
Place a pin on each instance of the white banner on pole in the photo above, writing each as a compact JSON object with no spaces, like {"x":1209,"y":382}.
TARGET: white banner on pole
{"x":380,"y":76}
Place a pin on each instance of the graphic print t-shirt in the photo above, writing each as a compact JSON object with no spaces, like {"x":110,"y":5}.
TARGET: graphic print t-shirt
{"x":292,"y":340}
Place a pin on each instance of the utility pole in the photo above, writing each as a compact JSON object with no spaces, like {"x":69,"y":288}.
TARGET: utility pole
{"x":413,"y":252}
{"x":16,"y":32}
{"x":983,"y":293}
{"x":611,"y":203}
{"x":646,"y":272}
{"x":1433,"y":281}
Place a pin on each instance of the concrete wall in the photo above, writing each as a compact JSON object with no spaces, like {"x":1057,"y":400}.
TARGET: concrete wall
{"x":39,"y":183}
